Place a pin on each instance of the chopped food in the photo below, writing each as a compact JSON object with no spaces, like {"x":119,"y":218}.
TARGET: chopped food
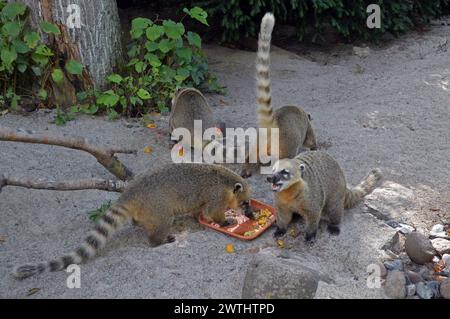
{"x":281,"y":243}
{"x":229,"y":248}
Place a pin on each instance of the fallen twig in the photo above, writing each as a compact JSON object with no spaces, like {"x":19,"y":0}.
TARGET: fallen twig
{"x":105,"y":156}
{"x":38,"y":183}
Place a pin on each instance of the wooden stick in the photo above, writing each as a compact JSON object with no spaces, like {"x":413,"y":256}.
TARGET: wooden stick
{"x":95,"y":183}
{"x":105,"y":156}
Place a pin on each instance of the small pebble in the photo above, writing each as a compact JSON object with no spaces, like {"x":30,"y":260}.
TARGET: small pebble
{"x":423,"y":291}
{"x":437,"y":228}
{"x":413,"y":277}
{"x":411,"y":290}
{"x":394,"y":264}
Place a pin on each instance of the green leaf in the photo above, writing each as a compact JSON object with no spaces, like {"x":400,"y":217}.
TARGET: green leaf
{"x":36,"y":70}
{"x":115,"y":78}
{"x":173,"y":30}
{"x":143,"y":94}
{"x":108,"y":98}
{"x":185,"y":54}
{"x":42,"y":94}
{"x":20,"y":46}
{"x":44,"y":50}
{"x":154,"y":32}
{"x":151,"y":46}
{"x":140,"y":67}
{"x":48,"y":28}
{"x":32,"y":39}
{"x":194,"y":39}
{"x":134,"y":51}
{"x":57,"y":76}
{"x":8,"y":56}
{"x":165,"y":45}
{"x":112,"y":114}
{"x":138,"y":26}
{"x":153,"y":60}
{"x":90,"y":109}
{"x":14,"y":9}
{"x":182,"y":74}
{"x":22,"y":68}
{"x":40,"y":59}
{"x":12,"y":29}
{"x":198,"y":14}
{"x":74,"y":67}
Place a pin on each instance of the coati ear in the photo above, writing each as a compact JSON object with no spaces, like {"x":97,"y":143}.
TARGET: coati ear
{"x":238,"y":187}
{"x":302,"y":170}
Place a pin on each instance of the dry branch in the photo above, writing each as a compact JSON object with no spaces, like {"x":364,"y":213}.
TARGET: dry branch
{"x":100,"y":184}
{"x":105,"y":156}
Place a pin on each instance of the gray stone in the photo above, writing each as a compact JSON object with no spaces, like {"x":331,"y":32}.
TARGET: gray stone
{"x":434,"y":287}
{"x":445,"y":289}
{"x":383,"y":270}
{"x":437,"y":228}
{"x":441,"y":245}
{"x":419,"y":248}
{"x":395,"y":285}
{"x":446,"y":259}
{"x":424,"y":291}
{"x":393,"y":264}
{"x":425,"y":273}
{"x":271,"y":277}
{"x":438,"y":232}
{"x":411,"y":290}
{"x":413,"y":277}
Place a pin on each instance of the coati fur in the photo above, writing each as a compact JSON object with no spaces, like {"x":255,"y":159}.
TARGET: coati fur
{"x":153,"y":201}
{"x":313,"y":185}
{"x":294,"y":124}
{"x":188,"y":105}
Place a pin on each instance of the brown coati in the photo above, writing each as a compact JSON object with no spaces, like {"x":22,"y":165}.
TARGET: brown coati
{"x":153,"y":201}
{"x":294,"y":124}
{"x":313,"y":185}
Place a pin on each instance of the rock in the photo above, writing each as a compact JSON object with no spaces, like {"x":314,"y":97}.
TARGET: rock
{"x":410,"y":290}
{"x":434,"y":287}
{"x":395,"y":285}
{"x":361,"y":52}
{"x":445,"y":289}
{"x":405,"y":229}
{"x":425,"y":273}
{"x":437,"y":228}
{"x":446,"y":259}
{"x":284,"y":254}
{"x":419,"y":248}
{"x":413,"y":277}
{"x":395,"y":244}
{"x":438,"y":232}
{"x":425,"y":290}
{"x":272,"y":277}
{"x":394,"y":265}
{"x":441,"y":245}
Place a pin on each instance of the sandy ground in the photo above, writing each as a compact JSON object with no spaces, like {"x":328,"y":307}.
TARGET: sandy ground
{"x":388,"y":110}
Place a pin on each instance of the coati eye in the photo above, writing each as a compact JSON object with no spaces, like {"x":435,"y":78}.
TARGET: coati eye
{"x":285,"y":174}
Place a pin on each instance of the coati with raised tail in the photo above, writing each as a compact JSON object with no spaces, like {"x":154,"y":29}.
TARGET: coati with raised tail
{"x":313,"y":185}
{"x":153,"y":201}
{"x":294,"y":124}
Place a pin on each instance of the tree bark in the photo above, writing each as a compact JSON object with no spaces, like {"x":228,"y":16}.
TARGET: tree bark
{"x":97,"y":43}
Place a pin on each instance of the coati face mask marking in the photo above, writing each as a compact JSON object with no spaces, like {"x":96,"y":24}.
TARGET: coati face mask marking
{"x":285,"y":174}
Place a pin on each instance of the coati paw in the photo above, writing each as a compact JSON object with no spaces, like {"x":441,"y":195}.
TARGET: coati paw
{"x":310,"y":237}
{"x":249,"y":214}
{"x":334,"y":230}
{"x":279,"y":232}
{"x":170,"y":239}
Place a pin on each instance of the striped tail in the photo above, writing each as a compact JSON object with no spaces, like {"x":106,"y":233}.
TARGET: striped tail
{"x":105,"y":228}
{"x":263,"y":94}
{"x":367,"y":185}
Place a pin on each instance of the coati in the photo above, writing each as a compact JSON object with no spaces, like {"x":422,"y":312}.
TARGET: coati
{"x":295,"y":129}
{"x":313,"y":185}
{"x":153,"y":201}
{"x":189,"y":104}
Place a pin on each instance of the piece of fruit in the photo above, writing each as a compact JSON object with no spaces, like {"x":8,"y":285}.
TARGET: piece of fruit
{"x":281,"y":243}
{"x":151,"y":125}
{"x":148,"y":150}
{"x":229,"y":248}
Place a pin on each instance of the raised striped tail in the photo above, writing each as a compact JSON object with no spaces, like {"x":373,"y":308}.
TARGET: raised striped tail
{"x":356,"y":194}
{"x":105,"y":228}
{"x":263,"y":94}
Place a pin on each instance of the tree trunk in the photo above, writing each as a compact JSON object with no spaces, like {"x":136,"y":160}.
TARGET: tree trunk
{"x":96,"y":42}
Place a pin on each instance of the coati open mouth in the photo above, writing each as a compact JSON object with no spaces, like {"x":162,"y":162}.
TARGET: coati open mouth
{"x":277,"y":179}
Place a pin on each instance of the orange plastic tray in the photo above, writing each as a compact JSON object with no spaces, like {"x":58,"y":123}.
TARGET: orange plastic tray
{"x":245,"y":226}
